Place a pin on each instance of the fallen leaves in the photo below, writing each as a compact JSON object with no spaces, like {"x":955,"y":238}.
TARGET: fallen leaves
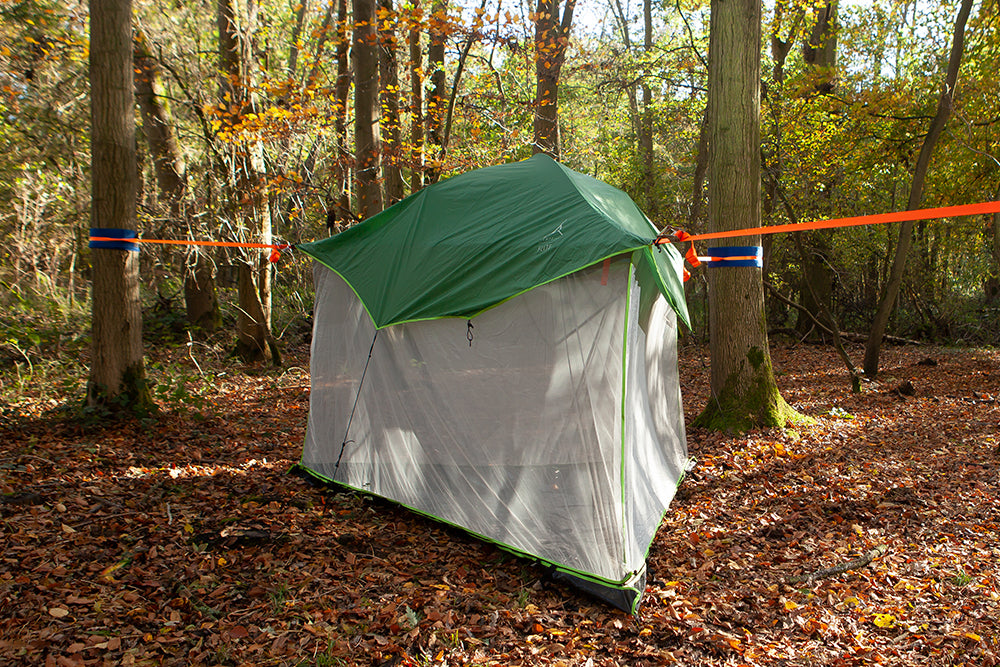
{"x":185,"y":542}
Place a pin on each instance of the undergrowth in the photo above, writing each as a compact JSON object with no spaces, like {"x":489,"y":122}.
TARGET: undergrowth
{"x":45,"y":347}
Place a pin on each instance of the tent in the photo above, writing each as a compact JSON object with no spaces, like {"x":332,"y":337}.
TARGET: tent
{"x":498,"y":351}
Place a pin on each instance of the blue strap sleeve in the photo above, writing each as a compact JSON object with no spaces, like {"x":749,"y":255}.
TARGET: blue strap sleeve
{"x":109,"y":233}
{"x":720,"y":253}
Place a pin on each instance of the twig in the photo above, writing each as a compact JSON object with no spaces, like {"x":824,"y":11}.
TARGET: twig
{"x":28,"y":456}
{"x":103,"y":517}
{"x":855,"y":564}
{"x":190,"y":347}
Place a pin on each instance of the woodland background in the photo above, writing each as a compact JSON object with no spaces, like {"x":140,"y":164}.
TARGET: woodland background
{"x":254,"y":138}
{"x":179,"y":537}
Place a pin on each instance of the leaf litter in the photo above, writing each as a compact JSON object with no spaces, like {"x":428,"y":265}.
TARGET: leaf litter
{"x":184,"y":541}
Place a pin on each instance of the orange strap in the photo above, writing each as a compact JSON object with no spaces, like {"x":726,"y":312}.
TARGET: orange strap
{"x":223,"y":244}
{"x":881,"y":218}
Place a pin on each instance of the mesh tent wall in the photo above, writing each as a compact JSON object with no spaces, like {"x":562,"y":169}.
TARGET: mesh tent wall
{"x":556,"y":432}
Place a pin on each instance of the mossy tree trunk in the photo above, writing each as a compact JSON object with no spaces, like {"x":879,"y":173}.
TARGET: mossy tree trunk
{"x":744,"y":392}
{"x":117,"y":373}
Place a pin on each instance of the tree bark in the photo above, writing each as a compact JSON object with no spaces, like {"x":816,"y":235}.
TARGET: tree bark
{"x":646,"y":118}
{"x":200,"y":299}
{"x":459,"y":69}
{"x":117,"y":372}
{"x":157,"y":127}
{"x":551,"y":40}
{"x":340,"y":205}
{"x":994,"y":292}
{"x":888,"y":302}
{"x":416,"y":104}
{"x":392,"y":147}
{"x":294,"y":42}
{"x":366,"y":109}
{"x":700,"y":170}
{"x":820,"y":49}
{"x":744,"y":392}
{"x":435,"y":100}
{"x":250,"y":208}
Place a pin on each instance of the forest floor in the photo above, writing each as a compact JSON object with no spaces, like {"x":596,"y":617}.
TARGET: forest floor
{"x":184,"y":540}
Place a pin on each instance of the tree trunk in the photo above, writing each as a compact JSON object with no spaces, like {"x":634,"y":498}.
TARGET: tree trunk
{"x":887,"y":304}
{"x":551,"y":40}
{"x":646,"y":118}
{"x":820,"y":49}
{"x":392,"y":153}
{"x":700,"y":169}
{"x":117,"y":373}
{"x":416,"y":105}
{"x":744,"y":392}
{"x":250,"y":205}
{"x":459,"y":69}
{"x":366,"y":108}
{"x":435,"y":100}
{"x":157,"y":127}
{"x":993,"y":284}
{"x":200,"y":300}
{"x":294,"y":41}
{"x":340,"y":204}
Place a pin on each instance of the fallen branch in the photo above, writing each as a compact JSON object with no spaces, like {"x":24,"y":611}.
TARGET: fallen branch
{"x":855,"y":564}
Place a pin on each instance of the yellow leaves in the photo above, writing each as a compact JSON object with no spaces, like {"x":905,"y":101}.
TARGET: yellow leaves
{"x":884,"y":620}
{"x":973,"y":636}
{"x":790,"y":605}
{"x":106,"y":573}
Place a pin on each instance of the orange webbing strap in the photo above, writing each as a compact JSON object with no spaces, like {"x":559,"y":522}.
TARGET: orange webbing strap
{"x":881,"y":218}
{"x":223,"y":244}
{"x":276,"y":248}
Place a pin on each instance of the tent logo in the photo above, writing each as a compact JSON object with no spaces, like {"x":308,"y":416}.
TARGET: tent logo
{"x":549,"y":239}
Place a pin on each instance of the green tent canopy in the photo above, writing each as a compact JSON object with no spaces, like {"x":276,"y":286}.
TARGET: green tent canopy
{"x":548,"y":419}
{"x":464,"y":245}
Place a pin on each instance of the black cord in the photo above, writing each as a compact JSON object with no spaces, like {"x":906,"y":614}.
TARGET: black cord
{"x":357,"y":396}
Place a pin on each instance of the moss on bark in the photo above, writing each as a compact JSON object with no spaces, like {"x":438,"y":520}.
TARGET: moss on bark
{"x":749,"y":399}
{"x":133,"y":397}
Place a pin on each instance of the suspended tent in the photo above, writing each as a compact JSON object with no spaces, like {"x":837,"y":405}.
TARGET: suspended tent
{"x":498,"y":351}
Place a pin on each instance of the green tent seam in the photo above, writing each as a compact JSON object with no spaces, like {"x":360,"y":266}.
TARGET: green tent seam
{"x":586,"y":576}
